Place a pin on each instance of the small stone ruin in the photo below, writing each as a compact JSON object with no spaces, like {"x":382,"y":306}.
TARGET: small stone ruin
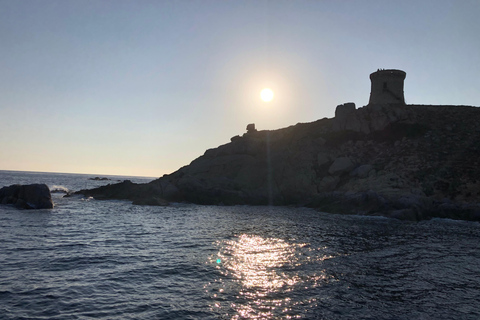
{"x":251,"y":128}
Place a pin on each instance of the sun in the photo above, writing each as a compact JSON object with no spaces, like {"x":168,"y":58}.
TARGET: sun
{"x":266,"y":95}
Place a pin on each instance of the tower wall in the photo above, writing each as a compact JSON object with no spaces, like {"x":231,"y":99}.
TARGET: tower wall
{"x":387,"y":87}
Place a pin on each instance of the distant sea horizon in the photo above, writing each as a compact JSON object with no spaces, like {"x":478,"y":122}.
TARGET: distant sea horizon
{"x":76,"y":173}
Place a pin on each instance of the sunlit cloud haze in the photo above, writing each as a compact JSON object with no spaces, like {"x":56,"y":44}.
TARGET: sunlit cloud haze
{"x":145,"y":87}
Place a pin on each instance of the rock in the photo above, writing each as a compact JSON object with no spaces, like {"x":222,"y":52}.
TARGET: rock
{"x":474,"y":214}
{"x":122,"y":190}
{"x":166,"y":189}
{"x":343,"y":110}
{"x":37,"y":196}
{"x":403,"y":214}
{"x":448,"y":209}
{"x":320,"y":141}
{"x":367,"y":202}
{"x":362,"y":171}
{"x":235,"y":138}
{"x":156,"y":193}
{"x":22,"y":204}
{"x":341,"y":165}
{"x":33,"y":196}
{"x":7,"y":194}
{"x":413,"y":201}
{"x":314,"y":161}
{"x":251,"y":128}
{"x":328,"y":183}
{"x":323,"y":158}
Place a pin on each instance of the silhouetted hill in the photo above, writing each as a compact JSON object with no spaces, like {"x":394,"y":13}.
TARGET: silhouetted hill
{"x":410,"y":162}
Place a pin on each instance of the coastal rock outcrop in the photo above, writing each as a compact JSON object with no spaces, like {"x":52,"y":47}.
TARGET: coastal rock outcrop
{"x":32,"y":196}
{"x":405,"y":161}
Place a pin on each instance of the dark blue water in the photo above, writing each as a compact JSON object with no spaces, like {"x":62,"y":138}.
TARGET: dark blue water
{"x":88,"y":259}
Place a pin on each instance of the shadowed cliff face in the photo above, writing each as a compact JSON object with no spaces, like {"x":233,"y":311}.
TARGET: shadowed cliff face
{"x":390,"y":151}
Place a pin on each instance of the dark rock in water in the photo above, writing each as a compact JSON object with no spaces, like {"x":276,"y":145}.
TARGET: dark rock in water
{"x":33,"y":196}
{"x":123,"y":190}
{"x":141,"y":194}
{"x":99,"y":179}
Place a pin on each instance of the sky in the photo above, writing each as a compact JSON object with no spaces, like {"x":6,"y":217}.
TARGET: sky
{"x":142,"y":88}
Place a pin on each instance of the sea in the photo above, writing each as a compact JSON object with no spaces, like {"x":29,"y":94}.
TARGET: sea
{"x":91,"y":259}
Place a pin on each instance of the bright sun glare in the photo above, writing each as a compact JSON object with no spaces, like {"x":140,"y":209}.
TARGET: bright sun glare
{"x":266,"y":94}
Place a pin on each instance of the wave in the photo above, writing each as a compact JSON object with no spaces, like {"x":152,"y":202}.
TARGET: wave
{"x":59,"y":189}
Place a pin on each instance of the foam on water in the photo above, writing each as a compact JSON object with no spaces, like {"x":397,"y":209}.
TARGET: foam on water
{"x":60,"y":189}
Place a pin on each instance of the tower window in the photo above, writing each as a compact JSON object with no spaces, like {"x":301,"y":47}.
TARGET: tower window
{"x":384,"y":86}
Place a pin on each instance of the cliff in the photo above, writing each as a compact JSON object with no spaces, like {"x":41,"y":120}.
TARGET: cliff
{"x":406,"y":161}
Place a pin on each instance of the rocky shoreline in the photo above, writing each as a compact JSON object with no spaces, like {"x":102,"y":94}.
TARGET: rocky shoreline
{"x":410,"y":162}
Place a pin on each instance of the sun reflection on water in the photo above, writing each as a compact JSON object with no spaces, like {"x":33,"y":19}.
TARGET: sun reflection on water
{"x":259,"y":276}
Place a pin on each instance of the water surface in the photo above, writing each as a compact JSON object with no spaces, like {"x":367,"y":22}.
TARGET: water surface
{"x":88,"y":259}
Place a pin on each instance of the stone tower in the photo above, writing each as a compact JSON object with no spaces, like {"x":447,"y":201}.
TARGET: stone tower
{"x":387,"y":87}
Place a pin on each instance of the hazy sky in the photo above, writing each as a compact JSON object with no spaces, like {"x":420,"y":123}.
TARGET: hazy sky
{"x":144,"y":87}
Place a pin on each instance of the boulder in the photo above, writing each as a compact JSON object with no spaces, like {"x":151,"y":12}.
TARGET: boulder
{"x":33,"y":196}
{"x":362,"y":171}
{"x":328,"y":183}
{"x":323,"y":158}
{"x":341,"y":165}
{"x":251,"y":128}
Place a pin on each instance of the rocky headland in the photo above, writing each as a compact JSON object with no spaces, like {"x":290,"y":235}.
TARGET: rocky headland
{"x":409,"y":162}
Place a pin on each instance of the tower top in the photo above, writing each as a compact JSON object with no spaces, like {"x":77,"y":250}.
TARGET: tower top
{"x":387,"y":86}
{"x":388,"y":73}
